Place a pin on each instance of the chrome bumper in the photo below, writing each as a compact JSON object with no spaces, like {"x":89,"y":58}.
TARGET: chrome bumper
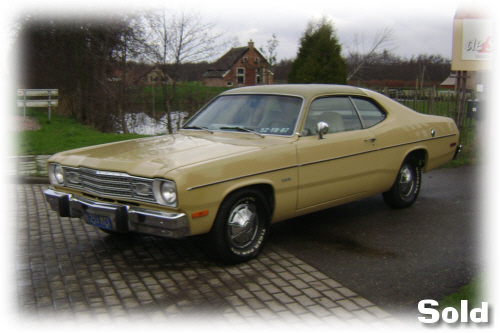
{"x":118,"y":218}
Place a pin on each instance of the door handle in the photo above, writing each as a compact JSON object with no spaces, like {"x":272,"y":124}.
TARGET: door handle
{"x":372,"y":140}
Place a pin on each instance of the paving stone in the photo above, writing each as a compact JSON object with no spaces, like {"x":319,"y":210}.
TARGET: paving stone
{"x":255,"y":303}
{"x":68,"y":270}
{"x":267,"y":314}
{"x":378,"y":312}
{"x":348,"y":305}
{"x":271,"y":288}
{"x":311,"y":320}
{"x":333,"y":295}
{"x":296,"y":308}
{"x":263,"y":296}
{"x":283,"y":298}
{"x":311,"y":292}
{"x":304,"y":300}
{"x":331,"y":283}
{"x":292,"y":291}
{"x":297,"y":283}
{"x":275,"y":306}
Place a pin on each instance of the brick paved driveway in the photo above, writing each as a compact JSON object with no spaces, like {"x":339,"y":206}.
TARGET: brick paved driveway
{"x":71,"y":272}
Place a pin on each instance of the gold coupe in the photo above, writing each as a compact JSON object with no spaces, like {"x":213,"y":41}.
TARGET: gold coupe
{"x":251,"y":157}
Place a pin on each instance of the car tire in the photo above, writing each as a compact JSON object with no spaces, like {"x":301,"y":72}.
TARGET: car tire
{"x":241,"y":226}
{"x":404,"y":192}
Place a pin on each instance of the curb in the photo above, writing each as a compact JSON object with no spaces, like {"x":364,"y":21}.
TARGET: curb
{"x":30,"y":180}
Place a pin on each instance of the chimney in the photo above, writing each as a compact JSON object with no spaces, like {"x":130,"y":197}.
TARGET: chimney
{"x":250,"y":44}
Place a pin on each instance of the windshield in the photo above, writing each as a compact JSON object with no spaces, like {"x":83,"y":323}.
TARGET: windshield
{"x":263,"y":114}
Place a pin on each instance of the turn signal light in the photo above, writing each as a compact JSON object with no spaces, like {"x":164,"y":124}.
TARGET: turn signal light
{"x":201,"y":213}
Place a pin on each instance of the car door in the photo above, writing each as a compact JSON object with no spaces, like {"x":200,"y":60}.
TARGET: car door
{"x":341,"y":165}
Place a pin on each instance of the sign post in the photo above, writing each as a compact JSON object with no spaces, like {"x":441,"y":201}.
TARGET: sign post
{"x":472,"y":50}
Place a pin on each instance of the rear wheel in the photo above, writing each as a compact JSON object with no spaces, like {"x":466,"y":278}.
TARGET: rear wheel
{"x":404,"y":192}
{"x":241,"y":226}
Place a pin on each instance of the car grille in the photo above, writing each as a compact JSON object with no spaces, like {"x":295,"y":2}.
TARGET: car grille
{"x":109,"y":184}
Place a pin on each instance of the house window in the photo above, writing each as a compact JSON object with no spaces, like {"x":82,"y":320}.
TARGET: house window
{"x":256,"y":60}
{"x":240,"y":75}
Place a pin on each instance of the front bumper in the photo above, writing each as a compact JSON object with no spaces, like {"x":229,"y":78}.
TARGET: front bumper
{"x":118,"y":218}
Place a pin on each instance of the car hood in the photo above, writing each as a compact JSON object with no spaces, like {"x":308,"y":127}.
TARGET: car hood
{"x":154,"y":157}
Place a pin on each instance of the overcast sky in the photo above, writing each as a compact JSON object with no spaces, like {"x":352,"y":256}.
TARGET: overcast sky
{"x":420,"y":27}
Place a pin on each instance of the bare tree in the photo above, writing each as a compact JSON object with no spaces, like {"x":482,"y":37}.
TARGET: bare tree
{"x":131,"y":46}
{"x":80,"y":56}
{"x":235,"y":42}
{"x":177,"y":39}
{"x":270,"y":53}
{"x":270,"y":50}
{"x":357,"y":58}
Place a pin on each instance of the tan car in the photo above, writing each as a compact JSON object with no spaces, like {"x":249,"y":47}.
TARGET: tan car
{"x":251,"y":157}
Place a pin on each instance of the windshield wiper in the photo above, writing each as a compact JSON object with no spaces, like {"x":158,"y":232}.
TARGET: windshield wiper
{"x":199,"y":128}
{"x":244,"y":129}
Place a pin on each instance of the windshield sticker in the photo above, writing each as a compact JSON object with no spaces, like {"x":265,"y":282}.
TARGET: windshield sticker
{"x":276,"y":130}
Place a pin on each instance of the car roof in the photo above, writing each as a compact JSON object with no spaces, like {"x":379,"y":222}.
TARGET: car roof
{"x":305,"y":90}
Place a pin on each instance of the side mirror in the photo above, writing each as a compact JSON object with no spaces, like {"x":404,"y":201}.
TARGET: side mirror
{"x":322,"y":128}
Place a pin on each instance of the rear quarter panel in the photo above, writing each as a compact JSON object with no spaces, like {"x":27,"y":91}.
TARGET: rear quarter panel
{"x":405,"y":131}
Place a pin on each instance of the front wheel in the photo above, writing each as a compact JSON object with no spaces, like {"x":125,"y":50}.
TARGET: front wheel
{"x":406,"y":187}
{"x":241,"y":226}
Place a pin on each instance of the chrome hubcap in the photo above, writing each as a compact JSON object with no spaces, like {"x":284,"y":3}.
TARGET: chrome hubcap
{"x":243,"y":225}
{"x":406,"y":182}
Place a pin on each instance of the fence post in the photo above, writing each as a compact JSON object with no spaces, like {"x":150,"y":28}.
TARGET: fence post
{"x":431,"y":100}
{"x":49,"y":103}
{"x":24,"y":105}
{"x":461,"y":95}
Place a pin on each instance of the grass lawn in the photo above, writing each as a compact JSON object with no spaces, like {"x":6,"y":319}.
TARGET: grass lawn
{"x":470,"y":292}
{"x":60,"y":134}
{"x":467,"y":157}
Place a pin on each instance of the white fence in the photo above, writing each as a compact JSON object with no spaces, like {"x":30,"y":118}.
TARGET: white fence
{"x":28,"y":100}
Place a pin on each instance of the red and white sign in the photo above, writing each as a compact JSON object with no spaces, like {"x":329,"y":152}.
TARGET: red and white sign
{"x":477,"y":40}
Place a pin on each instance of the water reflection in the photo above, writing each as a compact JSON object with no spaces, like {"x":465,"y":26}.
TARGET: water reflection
{"x":141,"y":123}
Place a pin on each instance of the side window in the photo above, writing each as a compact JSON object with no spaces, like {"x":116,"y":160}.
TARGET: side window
{"x":369,"y":112}
{"x":338,"y":112}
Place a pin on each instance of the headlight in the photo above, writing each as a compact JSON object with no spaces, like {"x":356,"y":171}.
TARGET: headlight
{"x":56,"y":174}
{"x":168,"y":193}
{"x":165,"y":192}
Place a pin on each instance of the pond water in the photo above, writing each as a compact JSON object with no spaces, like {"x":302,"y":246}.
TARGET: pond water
{"x":141,"y":123}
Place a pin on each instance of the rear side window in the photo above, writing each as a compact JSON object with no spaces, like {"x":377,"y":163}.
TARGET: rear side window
{"x":369,"y":112}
